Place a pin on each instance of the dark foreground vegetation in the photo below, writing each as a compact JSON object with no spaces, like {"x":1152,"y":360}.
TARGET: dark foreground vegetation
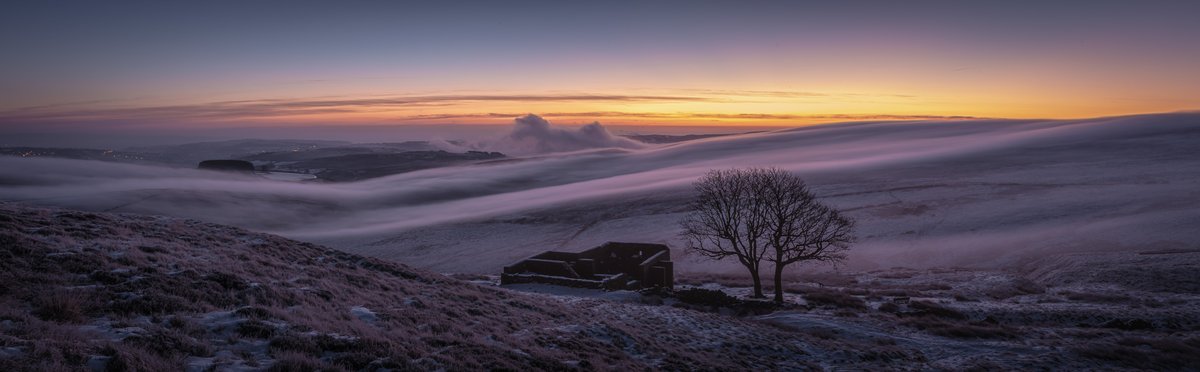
{"x":1109,"y":311}
{"x":122,"y":292}
{"x":91,"y":291}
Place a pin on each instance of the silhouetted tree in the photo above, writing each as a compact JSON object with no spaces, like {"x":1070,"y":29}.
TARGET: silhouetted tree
{"x":725,"y":220}
{"x":798,"y":227}
{"x":759,"y":214}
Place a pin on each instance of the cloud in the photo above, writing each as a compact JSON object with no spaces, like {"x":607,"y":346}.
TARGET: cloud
{"x":401,"y":107}
{"x":267,"y":108}
{"x":531,"y":134}
{"x":701,"y":116}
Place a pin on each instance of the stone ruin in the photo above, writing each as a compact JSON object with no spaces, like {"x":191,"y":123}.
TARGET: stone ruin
{"x":610,"y":266}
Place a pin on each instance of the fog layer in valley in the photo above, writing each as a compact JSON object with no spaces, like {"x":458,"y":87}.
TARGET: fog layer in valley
{"x":930,"y":193}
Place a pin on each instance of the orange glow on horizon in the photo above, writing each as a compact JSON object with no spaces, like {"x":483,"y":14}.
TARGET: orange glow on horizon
{"x":690,"y":107}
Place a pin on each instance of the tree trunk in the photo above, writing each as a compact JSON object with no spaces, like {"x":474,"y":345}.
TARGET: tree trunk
{"x":778,"y":283}
{"x":758,"y":293}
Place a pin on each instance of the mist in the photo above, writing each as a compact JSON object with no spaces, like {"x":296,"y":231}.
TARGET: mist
{"x":117,"y":136}
{"x":968,"y":192}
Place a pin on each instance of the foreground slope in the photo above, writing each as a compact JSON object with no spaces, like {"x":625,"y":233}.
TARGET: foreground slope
{"x":128,"y":292}
{"x":82,"y":290}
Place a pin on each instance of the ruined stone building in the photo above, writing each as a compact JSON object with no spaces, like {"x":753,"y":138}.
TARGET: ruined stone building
{"x":610,"y":266}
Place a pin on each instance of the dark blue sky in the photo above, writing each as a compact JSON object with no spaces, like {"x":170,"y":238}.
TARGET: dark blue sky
{"x":1011,"y":58}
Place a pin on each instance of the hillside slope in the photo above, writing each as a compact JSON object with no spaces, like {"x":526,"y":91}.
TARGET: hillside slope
{"x":103,"y":292}
{"x":129,"y":292}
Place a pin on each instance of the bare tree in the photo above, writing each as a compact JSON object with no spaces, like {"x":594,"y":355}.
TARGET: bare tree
{"x":799,"y":228}
{"x":725,"y":221}
{"x":759,"y":214}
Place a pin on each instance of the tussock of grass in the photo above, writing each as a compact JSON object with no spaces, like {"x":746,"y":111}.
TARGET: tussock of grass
{"x":1094,"y":297}
{"x":705,"y":297}
{"x":1145,"y":353}
{"x":959,"y":329}
{"x":835,"y":299}
{"x":931,"y":309}
{"x":724,"y":280}
{"x":1016,"y":287}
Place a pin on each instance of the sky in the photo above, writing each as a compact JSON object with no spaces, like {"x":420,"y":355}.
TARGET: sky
{"x":147,"y":66}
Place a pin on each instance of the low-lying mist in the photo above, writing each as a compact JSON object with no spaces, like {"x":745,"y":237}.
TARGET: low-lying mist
{"x":967,"y":192}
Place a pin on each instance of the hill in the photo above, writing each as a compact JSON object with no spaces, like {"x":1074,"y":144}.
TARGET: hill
{"x":105,"y":292}
{"x":130,"y":292}
{"x":977,"y":193}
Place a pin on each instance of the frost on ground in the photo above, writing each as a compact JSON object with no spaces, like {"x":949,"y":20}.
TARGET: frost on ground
{"x":1098,"y":310}
{"x":82,"y":290}
{"x":125,"y":292}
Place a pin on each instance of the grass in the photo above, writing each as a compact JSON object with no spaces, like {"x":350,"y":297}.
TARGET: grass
{"x":932,"y":309}
{"x":1016,"y":287}
{"x":1174,"y":353}
{"x":706,"y":297}
{"x":147,"y":293}
{"x":1093,"y":297}
{"x":59,"y":306}
{"x":959,"y":329}
{"x":836,"y":299}
{"x":163,"y":290}
{"x":724,"y":280}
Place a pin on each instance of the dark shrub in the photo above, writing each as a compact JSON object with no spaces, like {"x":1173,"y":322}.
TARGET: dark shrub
{"x":889,"y":307}
{"x":293,"y":342}
{"x":960,"y":330}
{"x":706,"y":297}
{"x":132,"y":359}
{"x":177,"y":322}
{"x":1027,"y":286}
{"x":227,"y":281}
{"x":834,"y":299}
{"x":1019,"y":286}
{"x":255,"y":329}
{"x":295,"y":362}
{"x":932,"y":309}
{"x":1129,"y":325}
{"x":347,"y":344}
{"x":109,"y":277}
{"x":151,"y":249}
{"x":59,"y":307}
{"x":354,"y":361}
{"x":1146,"y":353}
{"x":1103,"y":298}
{"x":253,"y":312}
{"x":149,"y":304}
{"x":756,"y":307}
{"x":167,"y":342}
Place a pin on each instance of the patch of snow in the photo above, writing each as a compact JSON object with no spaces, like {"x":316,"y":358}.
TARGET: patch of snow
{"x":364,"y":314}
{"x":104,"y":327}
{"x":10,"y":352}
{"x":97,"y":362}
{"x":414,"y":302}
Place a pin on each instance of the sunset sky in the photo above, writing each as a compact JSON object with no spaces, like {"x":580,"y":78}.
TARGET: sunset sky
{"x":166,"y":64}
